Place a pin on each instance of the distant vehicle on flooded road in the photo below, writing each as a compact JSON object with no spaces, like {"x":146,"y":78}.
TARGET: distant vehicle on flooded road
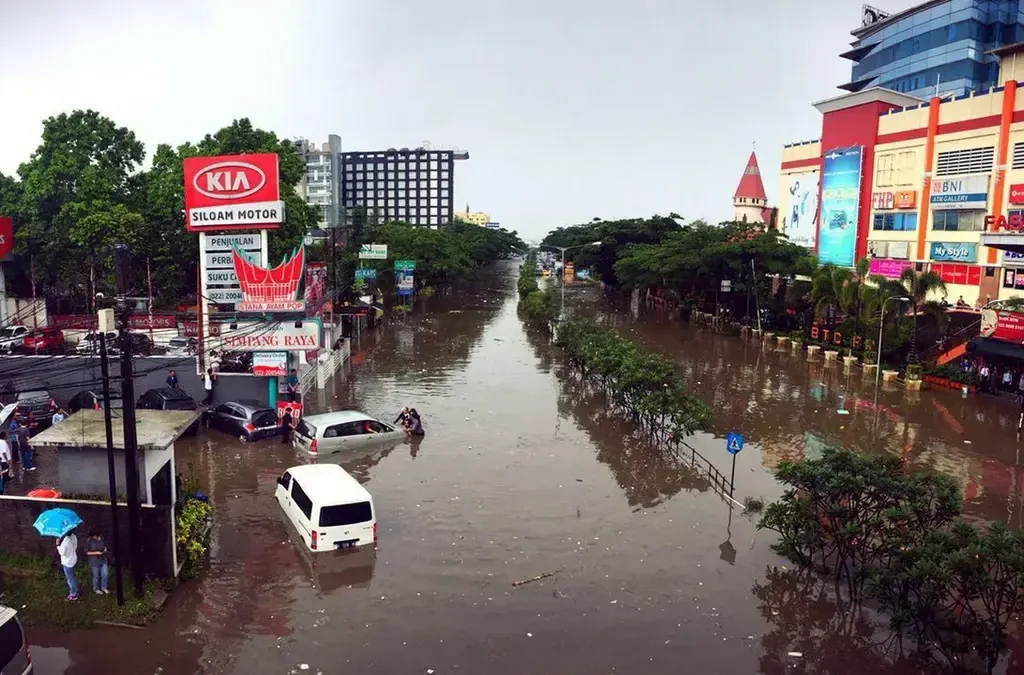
{"x":332,"y":432}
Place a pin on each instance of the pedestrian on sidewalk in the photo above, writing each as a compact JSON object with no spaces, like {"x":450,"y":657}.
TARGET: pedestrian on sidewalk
{"x":208,"y":386}
{"x":96,"y":551}
{"x":25,"y":447}
{"x":5,"y":461}
{"x":292,"y":385}
{"x":67,"y":547}
{"x":12,"y":437}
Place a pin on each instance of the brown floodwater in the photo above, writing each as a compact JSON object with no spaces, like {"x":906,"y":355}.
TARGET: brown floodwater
{"x":524,"y":472}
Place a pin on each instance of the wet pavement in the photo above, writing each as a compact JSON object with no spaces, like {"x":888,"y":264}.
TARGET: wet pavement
{"x":524,"y":473}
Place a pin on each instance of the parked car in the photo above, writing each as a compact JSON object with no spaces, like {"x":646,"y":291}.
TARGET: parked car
{"x":247,"y":419}
{"x":141,"y":345}
{"x":90,"y":344}
{"x":30,"y":396}
{"x":342,"y":430}
{"x":182,"y":346}
{"x":15,"y":658}
{"x":166,"y":398}
{"x":91,"y":399}
{"x":12,"y":338}
{"x":329,"y":508}
{"x":43,"y":340}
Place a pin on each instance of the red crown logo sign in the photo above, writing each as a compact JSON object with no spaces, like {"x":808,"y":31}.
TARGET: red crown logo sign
{"x":270,"y":289}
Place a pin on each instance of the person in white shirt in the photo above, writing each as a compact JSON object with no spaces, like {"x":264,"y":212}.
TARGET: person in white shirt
{"x":67,"y":547}
{"x":58,"y":416}
{"x":5,"y":461}
{"x":208,"y":386}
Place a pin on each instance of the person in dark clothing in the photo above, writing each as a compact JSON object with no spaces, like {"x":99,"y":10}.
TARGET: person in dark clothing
{"x":287,"y":424}
{"x":415,"y":425}
{"x":172,"y":379}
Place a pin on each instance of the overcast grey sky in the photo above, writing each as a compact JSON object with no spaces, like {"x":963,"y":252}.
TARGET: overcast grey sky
{"x":570,"y":109}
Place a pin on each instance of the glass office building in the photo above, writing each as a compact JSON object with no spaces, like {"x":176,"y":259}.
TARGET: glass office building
{"x":940,"y":42}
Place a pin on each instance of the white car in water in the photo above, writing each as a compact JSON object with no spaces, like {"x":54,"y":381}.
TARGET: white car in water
{"x":323,"y":434}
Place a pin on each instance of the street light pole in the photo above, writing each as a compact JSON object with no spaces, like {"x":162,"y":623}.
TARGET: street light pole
{"x":562,"y":251}
{"x":561,"y":312}
{"x":881,"y":325}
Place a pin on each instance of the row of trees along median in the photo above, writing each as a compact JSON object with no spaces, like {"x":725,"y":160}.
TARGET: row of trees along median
{"x":536,"y":305}
{"x":898,"y":540}
{"x":688,"y":261}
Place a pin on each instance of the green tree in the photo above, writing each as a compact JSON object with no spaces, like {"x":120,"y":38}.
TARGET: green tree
{"x":918,"y":287}
{"x":82,"y":176}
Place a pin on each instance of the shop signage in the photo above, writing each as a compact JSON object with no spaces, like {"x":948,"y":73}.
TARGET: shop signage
{"x":221,"y":277}
{"x":954,"y":252}
{"x":1014,"y":222}
{"x":276,"y":336}
{"x":6,"y":237}
{"x":1017,"y":194}
{"x":135,"y":321}
{"x":366,"y":273}
{"x":1013,"y":279}
{"x":373,"y":252}
{"x":225,"y":260}
{"x":270,"y":364}
{"x":1006,"y":326}
{"x":1013,"y":257}
{"x":899,"y":199}
{"x":229,"y":242}
{"x":966,"y":192}
{"x":891,"y":269}
{"x":899,"y":249}
{"x":292,"y":407}
{"x":405,"y":265}
{"x":270,"y":290}
{"x":224,"y":296}
{"x":231,"y":192}
{"x":958,"y":273}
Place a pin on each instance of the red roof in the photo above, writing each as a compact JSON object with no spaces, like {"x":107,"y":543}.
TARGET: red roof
{"x":750,"y":185}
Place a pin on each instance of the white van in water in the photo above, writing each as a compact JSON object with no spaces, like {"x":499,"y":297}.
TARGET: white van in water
{"x":327,"y":506}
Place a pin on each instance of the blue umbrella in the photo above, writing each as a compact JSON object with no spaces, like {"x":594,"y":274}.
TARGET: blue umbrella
{"x":56,"y":522}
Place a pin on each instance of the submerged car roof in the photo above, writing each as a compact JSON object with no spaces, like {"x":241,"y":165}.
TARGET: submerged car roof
{"x":171,"y":394}
{"x":337,"y":417}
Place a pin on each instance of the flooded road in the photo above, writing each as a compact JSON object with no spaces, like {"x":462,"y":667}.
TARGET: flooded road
{"x":522,"y":474}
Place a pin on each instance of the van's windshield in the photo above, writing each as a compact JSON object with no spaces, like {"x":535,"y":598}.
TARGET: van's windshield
{"x":11,"y":640}
{"x":345,"y":514}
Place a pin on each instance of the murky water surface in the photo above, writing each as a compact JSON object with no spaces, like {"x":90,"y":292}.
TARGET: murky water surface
{"x":522,"y":473}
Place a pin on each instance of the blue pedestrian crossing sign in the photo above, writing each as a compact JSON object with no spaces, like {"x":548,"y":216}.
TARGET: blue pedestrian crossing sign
{"x":733,"y":443}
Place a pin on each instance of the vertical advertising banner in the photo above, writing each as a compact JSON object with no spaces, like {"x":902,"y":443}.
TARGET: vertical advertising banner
{"x":800,"y":214}
{"x":840,"y":201}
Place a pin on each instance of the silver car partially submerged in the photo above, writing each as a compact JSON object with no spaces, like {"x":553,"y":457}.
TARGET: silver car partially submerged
{"x":327,"y":433}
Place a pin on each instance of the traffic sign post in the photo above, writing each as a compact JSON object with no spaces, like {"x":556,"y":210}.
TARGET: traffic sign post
{"x":733,"y":445}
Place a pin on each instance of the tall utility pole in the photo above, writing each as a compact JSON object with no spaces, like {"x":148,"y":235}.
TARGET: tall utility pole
{"x":106,"y":323}
{"x":131,"y":446}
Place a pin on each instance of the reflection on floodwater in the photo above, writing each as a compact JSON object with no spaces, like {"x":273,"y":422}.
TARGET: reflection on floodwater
{"x":523,"y":473}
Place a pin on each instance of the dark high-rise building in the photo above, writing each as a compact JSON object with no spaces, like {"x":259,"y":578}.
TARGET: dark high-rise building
{"x":939,"y":45}
{"x":414,"y":186}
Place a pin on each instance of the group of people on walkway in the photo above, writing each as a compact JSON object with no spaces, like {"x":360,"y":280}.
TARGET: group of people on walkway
{"x":96,"y":554}
{"x":15,"y":451}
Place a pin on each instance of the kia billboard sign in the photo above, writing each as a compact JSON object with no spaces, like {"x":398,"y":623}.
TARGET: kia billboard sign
{"x":231,"y":192}
{"x":1006,"y":326}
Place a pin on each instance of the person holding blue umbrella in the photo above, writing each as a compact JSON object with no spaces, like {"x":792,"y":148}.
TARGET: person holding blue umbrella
{"x":61,"y":523}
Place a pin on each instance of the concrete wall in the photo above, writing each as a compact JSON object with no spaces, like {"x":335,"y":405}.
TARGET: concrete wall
{"x":157,"y":547}
{"x":83,"y":471}
{"x":67,"y":375}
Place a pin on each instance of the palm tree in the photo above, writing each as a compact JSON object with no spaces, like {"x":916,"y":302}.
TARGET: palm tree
{"x":829,"y":291}
{"x":917,"y":287}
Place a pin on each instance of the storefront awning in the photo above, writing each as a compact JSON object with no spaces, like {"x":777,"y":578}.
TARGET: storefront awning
{"x":995,"y":349}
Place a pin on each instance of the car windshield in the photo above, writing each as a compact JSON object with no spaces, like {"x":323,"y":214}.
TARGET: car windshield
{"x":115,"y":402}
{"x":264,"y":418}
{"x":11,"y":640}
{"x":179,"y":404}
{"x":178,"y":342}
{"x":6,"y":333}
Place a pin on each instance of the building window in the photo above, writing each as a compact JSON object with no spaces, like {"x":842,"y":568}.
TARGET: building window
{"x":444,"y":174}
{"x":958,"y":221}
{"x":897,"y":221}
{"x":904,"y":169}
{"x":359,"y":194}
{"x":884,"y":172}
{"x":1018,"y":155}
{"x":968,"y":160}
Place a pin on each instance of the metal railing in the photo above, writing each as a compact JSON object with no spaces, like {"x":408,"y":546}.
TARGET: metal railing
{"x":965,"y":334}
{"x":690,"y":456}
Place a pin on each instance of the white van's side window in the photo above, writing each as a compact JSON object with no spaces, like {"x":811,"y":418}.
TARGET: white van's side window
{"x":302,"y":500}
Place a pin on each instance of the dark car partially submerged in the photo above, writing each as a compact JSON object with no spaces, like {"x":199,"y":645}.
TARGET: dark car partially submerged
{"x":247,"y":419}
{"x":166,"y":398}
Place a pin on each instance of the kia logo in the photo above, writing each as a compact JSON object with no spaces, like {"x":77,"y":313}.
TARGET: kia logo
{"x":229,"y":180}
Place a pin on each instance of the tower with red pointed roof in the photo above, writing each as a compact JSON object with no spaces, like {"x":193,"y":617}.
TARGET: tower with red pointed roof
{"x":750,"y":201}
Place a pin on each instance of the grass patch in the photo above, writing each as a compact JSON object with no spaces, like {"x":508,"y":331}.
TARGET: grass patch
{"x":35,"y":587}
